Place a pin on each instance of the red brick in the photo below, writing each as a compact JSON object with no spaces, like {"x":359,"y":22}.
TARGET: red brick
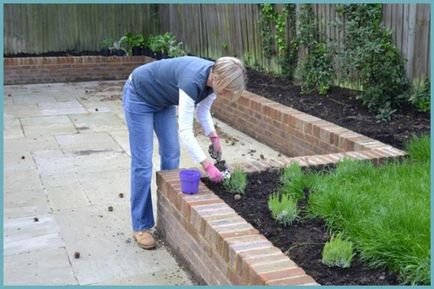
{"x":234,"y":246}
{"x":302,"y":280}
{"x":281,"y":274}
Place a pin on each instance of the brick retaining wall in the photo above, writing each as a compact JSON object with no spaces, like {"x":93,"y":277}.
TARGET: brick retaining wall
{"x":217,"y":245}
{"x":24,"y":70}
{"x":287,"y":130}
{"x":213,"y":241}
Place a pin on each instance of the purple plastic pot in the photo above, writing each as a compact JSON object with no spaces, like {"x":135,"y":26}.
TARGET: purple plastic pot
{"x":189,"y":181}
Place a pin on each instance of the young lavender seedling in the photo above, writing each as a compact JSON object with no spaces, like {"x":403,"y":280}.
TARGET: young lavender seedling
{"x":237,"y":182}
{"x":283,"y":208}
{"x":337,"y":252}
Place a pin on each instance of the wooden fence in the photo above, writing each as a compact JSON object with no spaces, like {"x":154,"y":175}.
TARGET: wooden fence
{"x":213,"y":30}
{"x":39,"y":28}
{"x":208,"y":30}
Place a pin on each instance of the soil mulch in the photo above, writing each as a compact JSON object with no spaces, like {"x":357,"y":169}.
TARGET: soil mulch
{"x":303,"y":240}
{"x":341,"y":107}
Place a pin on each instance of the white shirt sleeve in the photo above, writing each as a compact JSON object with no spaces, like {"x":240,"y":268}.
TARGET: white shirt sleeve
{"x":185,"y":123}
{"x":203,"y":114}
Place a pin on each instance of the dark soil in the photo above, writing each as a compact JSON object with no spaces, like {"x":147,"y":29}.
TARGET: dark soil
{"x":341,"y":107}
{"x":303,"y":241}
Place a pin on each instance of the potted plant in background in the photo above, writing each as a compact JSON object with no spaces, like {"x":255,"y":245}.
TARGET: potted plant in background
{"x":165,"y":45}
{"x":117,"y":48}
{"x":105,"y":46}
{"x":139,"y":44}
{"x":156,"y":44}
{"x":135,"y":44}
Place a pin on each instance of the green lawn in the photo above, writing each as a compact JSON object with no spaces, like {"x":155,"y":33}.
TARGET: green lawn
{"x":384,"y":210}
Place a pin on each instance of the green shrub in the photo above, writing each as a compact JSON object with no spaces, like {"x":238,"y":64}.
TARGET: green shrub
{"x":237,"y":182}
{"x":421,"y":96}
{"x":266,"y":21}
{"x":337,"y":252}
{"x":283,"y":208}
{"x":317,"y":70}
{"x":371,"y":59}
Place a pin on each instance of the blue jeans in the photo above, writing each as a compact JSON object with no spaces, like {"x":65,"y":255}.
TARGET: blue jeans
{"x":141,"y":126}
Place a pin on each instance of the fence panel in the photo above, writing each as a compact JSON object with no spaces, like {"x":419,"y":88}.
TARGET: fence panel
{"x":234,"y":29}
{"x":39,"y":28}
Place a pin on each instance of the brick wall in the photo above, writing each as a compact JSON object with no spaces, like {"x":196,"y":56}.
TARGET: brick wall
{"x":212,"y":240}
{"x":217,"y":245}
{"x":72,"y":68}
{"x":287,"y":130}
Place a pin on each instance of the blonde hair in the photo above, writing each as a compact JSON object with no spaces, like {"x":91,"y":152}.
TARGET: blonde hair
{"x":230,"y":74}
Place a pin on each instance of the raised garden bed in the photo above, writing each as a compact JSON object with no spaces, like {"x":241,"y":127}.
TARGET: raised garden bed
{"x":341,"y":107}
{"x":26,"y":70}
{"x":204,"y":232}
{"x":303,"y":241}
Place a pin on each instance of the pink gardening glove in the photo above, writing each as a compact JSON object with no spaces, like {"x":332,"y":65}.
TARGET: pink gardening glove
{"x":214,"y":174}
{"x":215,"y":140}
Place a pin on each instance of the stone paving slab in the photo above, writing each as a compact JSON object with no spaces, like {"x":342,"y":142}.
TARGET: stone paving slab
{"x":121,"y":137}
{"x":104,"y":187}
{"x":23,"y":235}
{"x":16,"y":110}
{"x":21,"y":180}
{"x":61,"y":108}
{"x":12,"y":128}
{"x":163,"y":277}
{"x":87,"y":143}
{"x":25,"y":203}
{"x":97,"y":122}
{"x":34,"y":99}
{"x":68,"y":193}
{"x":47,"y":125}
{"x":7,"y":100}
{"x":32,"y":144}
{"x":52,"y":162}
{"x":38,"y":268}
{"x":17,"y":161}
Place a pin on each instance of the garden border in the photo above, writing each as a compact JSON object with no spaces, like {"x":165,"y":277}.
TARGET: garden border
{"x":26,"y":70}
{"x":217,"y":245}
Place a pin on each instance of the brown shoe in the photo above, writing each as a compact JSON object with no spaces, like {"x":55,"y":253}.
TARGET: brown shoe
{"x":145,"y":239}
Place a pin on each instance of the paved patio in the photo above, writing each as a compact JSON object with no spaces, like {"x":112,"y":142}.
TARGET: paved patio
{"x":66,"y":160}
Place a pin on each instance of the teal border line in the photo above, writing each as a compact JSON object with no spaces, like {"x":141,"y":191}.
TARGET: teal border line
{"x":208,"y":2}
{"x":1,"y":144}
{"x":432,"y":130}
{"x":203,"y":2}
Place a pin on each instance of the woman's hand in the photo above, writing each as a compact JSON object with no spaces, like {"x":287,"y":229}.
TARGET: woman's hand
{"x":215,"y":141}
{"x":214,"y":174}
